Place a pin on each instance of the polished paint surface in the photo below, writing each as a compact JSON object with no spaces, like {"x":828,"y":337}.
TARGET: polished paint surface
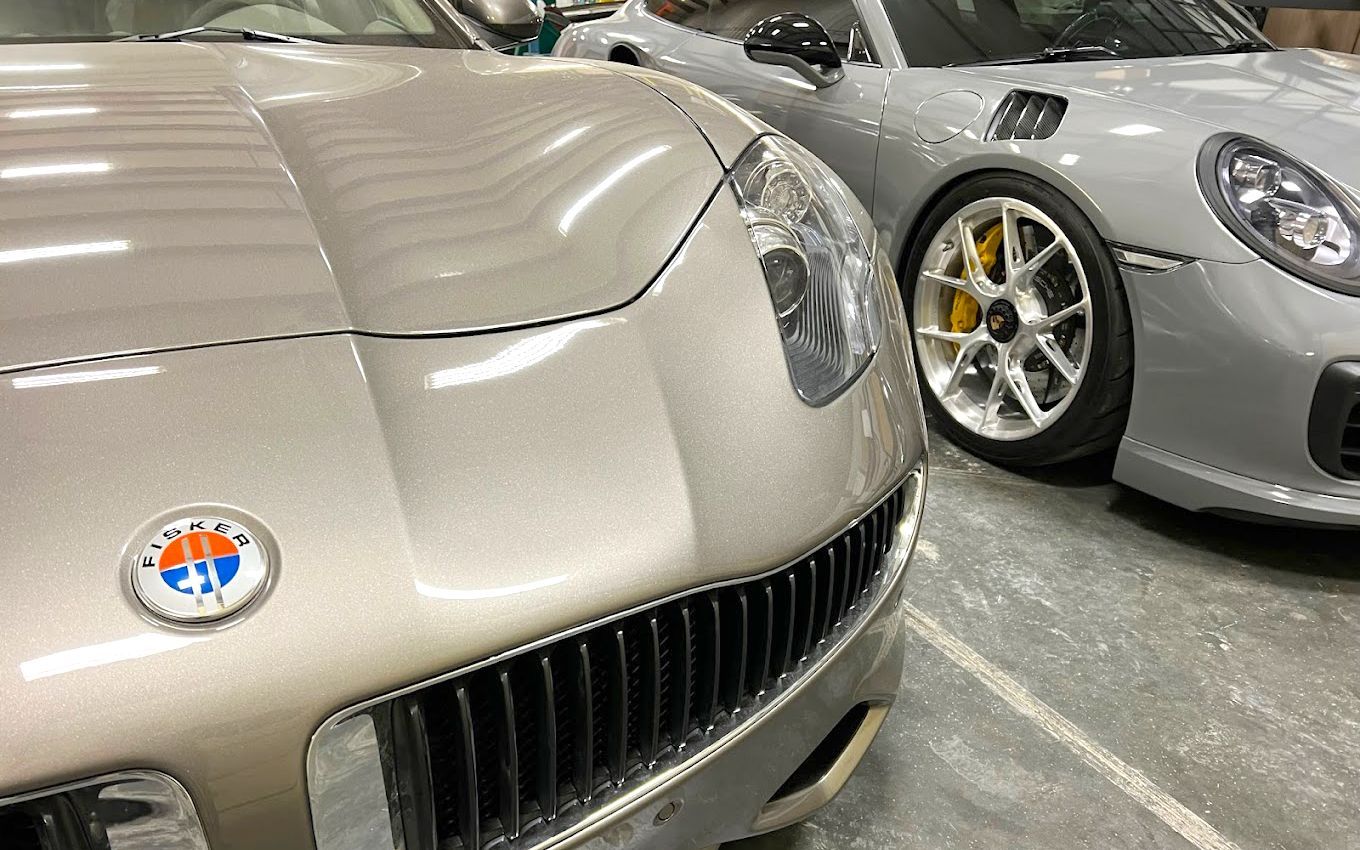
{"x":177,"y":194}
{"x":429,"y":502}
{"x":1214,"y":657}
{"x":1125,"y":154}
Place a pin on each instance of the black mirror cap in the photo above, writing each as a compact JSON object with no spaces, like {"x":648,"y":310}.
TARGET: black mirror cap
{"x":792,"y":34}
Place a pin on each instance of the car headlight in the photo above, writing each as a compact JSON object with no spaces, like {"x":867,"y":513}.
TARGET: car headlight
{"x":817,"y":266}
{"x":1294,"y":216}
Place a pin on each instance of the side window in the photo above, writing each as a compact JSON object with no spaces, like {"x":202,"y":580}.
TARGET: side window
{"x":686,"y":13}
{"x":840,"y":18}
{"x":943,"y":32}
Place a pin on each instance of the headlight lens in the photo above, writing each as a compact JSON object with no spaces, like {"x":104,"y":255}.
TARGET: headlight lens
{"x":817,"y":265}
{"x":1294,"y":216}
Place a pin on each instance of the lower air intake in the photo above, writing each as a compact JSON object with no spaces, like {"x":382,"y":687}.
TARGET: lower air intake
{"x":1334,"y":421}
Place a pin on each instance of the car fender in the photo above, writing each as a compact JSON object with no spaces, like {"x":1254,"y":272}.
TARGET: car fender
{"x":1130,"y":169}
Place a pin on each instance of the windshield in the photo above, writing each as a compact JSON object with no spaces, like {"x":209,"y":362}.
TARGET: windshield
{"x":954,"y":32}
{"x":392,"y":22}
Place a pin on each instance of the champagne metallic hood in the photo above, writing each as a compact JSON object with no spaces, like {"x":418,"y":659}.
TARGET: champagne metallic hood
{"x":173,"y":195}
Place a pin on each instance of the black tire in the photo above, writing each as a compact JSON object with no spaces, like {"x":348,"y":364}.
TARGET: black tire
{"x":1097,"y":416}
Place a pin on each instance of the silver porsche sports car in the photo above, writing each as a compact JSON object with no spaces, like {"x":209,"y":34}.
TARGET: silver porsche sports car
{"x":1126,"y":223}
{"x":428,"y":448}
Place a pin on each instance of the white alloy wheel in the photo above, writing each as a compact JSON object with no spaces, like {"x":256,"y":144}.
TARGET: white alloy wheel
{"x":1006,"y":364}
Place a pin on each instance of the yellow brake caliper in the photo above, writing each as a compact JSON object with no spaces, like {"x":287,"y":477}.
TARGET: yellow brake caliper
{"x":965,"y":312}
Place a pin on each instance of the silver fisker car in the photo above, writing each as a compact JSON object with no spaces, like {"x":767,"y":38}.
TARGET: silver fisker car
{"x":409,"y":447}
{"x":1127,"y":223}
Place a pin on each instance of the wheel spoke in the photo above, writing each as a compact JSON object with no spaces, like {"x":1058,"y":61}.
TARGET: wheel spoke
{"x":1053,"y":351}
{"x":972,"y":263}
{"x":1019,"y":388}
{"x":1010,"y":242}
{"x":1061,"y":316}
{"x":1040,"y":259}
{"x":943,"y":335}
{"x":968,"y":352}
{"x":993,"y":405}
{"x":952,"y":282}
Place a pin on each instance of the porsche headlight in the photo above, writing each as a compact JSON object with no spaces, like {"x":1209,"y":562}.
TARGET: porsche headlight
{"x":1288,"y":212}
{"x":817,"y":265}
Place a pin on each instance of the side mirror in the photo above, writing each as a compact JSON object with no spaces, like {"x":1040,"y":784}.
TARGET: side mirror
{"x":798,"y":42}
{"x":503,"y":24}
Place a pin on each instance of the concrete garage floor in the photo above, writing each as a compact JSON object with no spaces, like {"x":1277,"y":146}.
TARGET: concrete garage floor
{"x":1088,"y":667}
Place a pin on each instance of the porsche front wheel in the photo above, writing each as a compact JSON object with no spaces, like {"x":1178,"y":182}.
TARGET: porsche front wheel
{"x":1022,"y":330}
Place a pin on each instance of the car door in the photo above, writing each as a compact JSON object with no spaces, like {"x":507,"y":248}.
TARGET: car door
{"x":839,"y":123}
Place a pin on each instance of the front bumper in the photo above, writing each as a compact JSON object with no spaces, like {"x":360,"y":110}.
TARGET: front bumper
{"x":1228,"y":359}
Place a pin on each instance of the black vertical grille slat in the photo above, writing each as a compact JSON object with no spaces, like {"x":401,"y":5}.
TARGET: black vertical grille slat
{"x":847,"y":550}
{"x":873,"y":543}
{"x":736,"y":642}
{"x":682,"y":678}
{"x":1027,"y":115}
{"x":650,"y":698}
{"x":508,"y":785}
{"x":857,"y":563}
{"x":616,"y":655}
{"x":710,"y":649}
{"x":545,"y":708}
{"x":584,"y":774}
{"x":786,"y":607}
{"x":762,"y":636}
{"x":495,"y":757}
{"x":804,"y":633}
{"x":564,"y":712}
{"x":820,"y":601}
{"x":528,"y":741}
{"x":886,"y":528}
{"x":636,"y":724}
{"x":470,"y":808}
{"x":411,"y":761}
{"x":601,"y":681}
{"x":667,"y":645}
{"x":829,"y":609}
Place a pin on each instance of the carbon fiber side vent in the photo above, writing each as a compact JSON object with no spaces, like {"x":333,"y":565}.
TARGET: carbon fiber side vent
{"x":1027,"y":115}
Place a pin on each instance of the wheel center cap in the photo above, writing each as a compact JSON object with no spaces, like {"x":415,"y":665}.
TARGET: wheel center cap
{"x":1003,"y":320}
